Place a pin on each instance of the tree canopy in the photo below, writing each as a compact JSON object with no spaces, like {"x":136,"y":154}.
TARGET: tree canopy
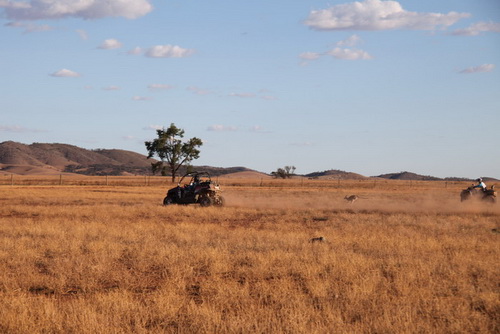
{"x":172,"y":150}
{"x":284,"y":173}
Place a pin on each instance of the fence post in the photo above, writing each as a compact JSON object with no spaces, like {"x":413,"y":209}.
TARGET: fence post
{"x":60,"y":179}
{"x":11,"y":179}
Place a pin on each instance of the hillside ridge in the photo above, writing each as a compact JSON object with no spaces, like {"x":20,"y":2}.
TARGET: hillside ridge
{"x":56,"y":158}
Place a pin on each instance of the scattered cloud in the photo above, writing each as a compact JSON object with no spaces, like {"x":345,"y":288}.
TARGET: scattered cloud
{"x":349,"y":54}
{"x":478,"y":69}
{"x":310,"y":55}
{"x":352,"y":40}
{"x":65,"y":73}
{"x":153,"y":127}
{"x":377,"y":15}
{"x":168,"y":51}
{"x":259,"y":129}
{"x":17,"y":129}
{"x":221,"y":128}
{"x":83,"y":34}
{"x":86,"y":9}
{"x":265,"y":94}
{"x":110,"y":44}
{"x":268,"y":97}
{"x":160,"y":87}
{"x":29,"y":27}
{"x":338,"y":52}
{"x":112,"y":88}
{"x":141,"y":98}
{"x":243,"y":95}
{"x":135,"y":51}
{"x":129,"y":137}
{"x":198,"y":90}
{"x":477,"y":28}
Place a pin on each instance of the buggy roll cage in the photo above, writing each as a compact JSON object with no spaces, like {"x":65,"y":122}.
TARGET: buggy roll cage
{"x":193,"y":175}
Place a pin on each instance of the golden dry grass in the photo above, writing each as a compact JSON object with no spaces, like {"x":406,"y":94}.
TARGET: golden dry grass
{"x":405,"y":258}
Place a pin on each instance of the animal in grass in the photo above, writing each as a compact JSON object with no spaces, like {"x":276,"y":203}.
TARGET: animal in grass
{"x":352,"y":198}
{"x":317,"y":239}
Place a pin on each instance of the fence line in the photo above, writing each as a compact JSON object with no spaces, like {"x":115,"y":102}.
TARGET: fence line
{"x":152,"y":181}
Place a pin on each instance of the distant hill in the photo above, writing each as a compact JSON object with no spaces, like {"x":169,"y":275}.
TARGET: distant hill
{"x":70,"y":159}
{"x":417,"y":177}
{"x":335,"y":174}
{"x":408,"y":176}
{"x":47,"y":159}
{"x":38,"y":158}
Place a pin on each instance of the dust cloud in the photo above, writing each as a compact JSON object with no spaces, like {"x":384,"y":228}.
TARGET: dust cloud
{"x":384,"y":202}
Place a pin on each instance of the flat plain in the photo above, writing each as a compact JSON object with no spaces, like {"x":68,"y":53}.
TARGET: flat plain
{"x":104,"y":256}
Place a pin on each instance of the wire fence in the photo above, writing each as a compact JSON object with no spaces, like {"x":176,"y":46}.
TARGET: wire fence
{"x":166,"y":181}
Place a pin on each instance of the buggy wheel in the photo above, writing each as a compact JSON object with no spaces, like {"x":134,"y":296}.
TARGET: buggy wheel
{"x":490,"y":199}
{"x":205,"y":201}
{"x":168,"y":201}
{"x":219,"y":201}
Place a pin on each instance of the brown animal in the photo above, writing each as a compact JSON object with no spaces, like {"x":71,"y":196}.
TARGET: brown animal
{"x":352,"y":198}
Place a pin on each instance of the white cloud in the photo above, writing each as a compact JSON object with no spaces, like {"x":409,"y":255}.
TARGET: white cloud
{"x":83,"y":34}
{"x":350,"y":41}
{"x":141,"y":98}
{"x":221,"y":128}
{"x":86,"y":9}
{"x":338,"y":52}
{"x":16,"y":129}
{"x":479,"y":69}
{"x":258,"y":129}
{"x":269,"y":97}
{"x":198,"y":90}
{"x":110,"y":44}
{"x":112,"y":88}
{"x":153,"y":127}
{"x":135,"y":51}
{"x":349,"y":54}
{"x":168,"y":51}
{"x":477,"y":28}
{"x":65,"y":73}
{"x":243,"y":95}
{"x":160,"y":87}
{"x":377,"y":15}
{"x":30,"y":27}
{"x":310,"y":55}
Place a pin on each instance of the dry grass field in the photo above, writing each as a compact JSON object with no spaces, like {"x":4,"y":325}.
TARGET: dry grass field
{"x":404,"y":258}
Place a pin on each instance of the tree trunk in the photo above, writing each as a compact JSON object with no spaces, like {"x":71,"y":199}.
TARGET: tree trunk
{"x":173,"y":171}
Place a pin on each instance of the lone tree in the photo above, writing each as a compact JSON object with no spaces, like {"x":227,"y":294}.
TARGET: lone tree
{"x":171,"y":150}
{"x":284,"y":173}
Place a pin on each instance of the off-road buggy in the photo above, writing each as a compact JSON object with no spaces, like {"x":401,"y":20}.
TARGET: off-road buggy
{"x":200,"y":190}
{"x":487,"y":195}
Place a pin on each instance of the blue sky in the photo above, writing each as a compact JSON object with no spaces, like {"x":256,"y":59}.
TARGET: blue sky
{"x":369,"y":87}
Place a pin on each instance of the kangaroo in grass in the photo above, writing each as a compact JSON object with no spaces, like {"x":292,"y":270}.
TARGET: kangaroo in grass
{"x":352,"y":198}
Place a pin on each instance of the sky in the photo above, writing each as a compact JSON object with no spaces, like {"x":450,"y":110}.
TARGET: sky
{"x":369,"y":87}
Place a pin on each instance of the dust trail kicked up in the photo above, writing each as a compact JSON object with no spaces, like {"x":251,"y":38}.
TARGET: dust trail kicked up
{"x":382,"y":202}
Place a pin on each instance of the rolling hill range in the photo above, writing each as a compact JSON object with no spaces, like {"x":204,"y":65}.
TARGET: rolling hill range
{"x":47,"y":159}
{"x":51,"y":159}
{"x":57,"y":158}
